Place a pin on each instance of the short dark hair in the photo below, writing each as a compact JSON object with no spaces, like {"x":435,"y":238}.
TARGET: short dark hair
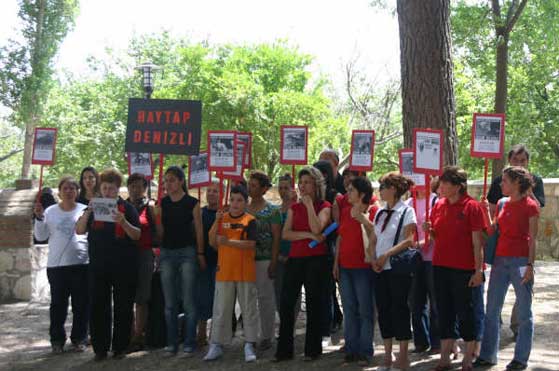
{"x":66,"y":179}
{"x":401,"y":183}
{"x":455,"y":176}
{"x":518,"y":149}
{"x":111,"y":176}
{"x":524,"y":178}
{"x":239,"y":189}
{"x":137,"y":177}
{"x":348,"y":171}
{"x":286,"y":177}
{"x":262,"y":178}
{"x":363,"y":185}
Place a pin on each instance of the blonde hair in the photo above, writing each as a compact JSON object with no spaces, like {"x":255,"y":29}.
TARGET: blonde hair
{"x":319,"y":181}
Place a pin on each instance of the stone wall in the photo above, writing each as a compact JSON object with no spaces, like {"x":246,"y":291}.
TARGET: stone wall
{"x":16,"y":240}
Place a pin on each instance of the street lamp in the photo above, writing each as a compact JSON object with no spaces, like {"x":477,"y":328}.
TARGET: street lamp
{"x":148,"y":70}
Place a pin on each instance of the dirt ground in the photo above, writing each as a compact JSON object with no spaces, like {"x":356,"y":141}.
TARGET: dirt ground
{"x":24,"y":342}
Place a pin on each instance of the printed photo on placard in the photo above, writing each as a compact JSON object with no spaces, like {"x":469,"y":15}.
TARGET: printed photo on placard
{"x":362,"y":150}
{"x":199,"y":174}
{"x":488,"y":135}
{"x":406,"y":167}
{"x":104,"y":209}
{"x":140,"y":163}
{"x":238,"y":173}
{"x":221,"y":153}
{"x":44,"y":144}
{"x":293,"y":145}
{"x":246,"y":138}
{"x":428,"y":157}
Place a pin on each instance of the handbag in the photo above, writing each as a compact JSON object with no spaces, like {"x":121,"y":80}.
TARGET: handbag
{"x":493,"y":240}
{"x":407,"y":261}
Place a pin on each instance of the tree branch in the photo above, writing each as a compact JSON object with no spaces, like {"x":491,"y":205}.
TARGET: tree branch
{"x":10,"y":154}
{"x":496,"y":7}
{"x":512,"y":21}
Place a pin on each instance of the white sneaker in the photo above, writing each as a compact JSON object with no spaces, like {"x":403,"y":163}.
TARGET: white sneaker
{"x":250,"y":355}
{"x":215,"y":352}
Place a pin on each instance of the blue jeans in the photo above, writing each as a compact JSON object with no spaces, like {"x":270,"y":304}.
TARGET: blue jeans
{"x":506,"y":270}
{"x":357,"y":291}
{"x":425,"y":316}
{"x":205,"y":289}
{"x":178,"y":279}
{"x":479,"y":311}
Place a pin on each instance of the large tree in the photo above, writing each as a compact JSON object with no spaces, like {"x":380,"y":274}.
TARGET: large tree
{"x":426,"y":70}
{"x":26,"y":66}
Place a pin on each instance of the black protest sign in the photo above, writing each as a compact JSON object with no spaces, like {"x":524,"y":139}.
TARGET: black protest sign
{"x":164,"y":126}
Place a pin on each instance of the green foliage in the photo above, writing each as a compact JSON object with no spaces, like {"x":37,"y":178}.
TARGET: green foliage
{"x":533,"y":100}
{"x":253,"y":88}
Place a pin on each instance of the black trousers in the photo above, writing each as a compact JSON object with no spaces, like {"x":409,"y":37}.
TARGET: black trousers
{"x":312,"y":272}
{"x":68,"y":282}
{"x":455,"y":300}
{"x":112,"y":282}
{"x":391,"y":296}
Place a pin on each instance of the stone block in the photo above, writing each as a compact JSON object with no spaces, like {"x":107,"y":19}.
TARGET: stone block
{"x":6,"y":261}
{"x":22,"y":288}
{"x":24,"y":184}
{"x":23,"y":261}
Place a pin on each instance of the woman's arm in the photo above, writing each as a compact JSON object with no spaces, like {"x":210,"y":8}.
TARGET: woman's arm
{"x":477,"y":277}
{"x":289,"y":234}
{"x":212,"y":234}
{"x":132,"y":231}
{"x":199,"y":230}
{"x":533,"y":230}
{"x":81,"y":224}
{"x":409,"y":234}
{"x":336,"y":267}
{"x":317,"y":223}
{"x":40,"y":228}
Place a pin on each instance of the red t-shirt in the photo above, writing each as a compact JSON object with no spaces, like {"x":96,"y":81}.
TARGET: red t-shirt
{"x":352,"y":254}
{"x":453,"y":225}
{"x":514,"y":227}
{"x":300,"y":223}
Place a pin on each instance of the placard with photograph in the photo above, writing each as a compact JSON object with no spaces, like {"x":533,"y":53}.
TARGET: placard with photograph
{"x":293,"y":145}
{"x":199,"y":174}
{"x":406,"y":167}
{"x":44,"y":146}
{"x":140,"y":163}
{"x":246,"y":138}
{"x":104,"y":209}
{"x":362,"y":150}
{"x":428,"y":151}
{"x":238,"y":173}
{"x":488,"y":135}
{"x":221,"y":150}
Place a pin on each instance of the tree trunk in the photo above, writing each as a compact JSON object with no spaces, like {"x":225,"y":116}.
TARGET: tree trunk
{"x":501,"y":91}
{"x":33,"y":108}
{"x":426,"y":69}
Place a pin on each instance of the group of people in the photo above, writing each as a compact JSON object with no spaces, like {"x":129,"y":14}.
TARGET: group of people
{"x":423,"y":278}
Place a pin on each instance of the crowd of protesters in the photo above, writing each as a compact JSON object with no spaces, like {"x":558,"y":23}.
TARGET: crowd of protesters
{"x":420,"y":274}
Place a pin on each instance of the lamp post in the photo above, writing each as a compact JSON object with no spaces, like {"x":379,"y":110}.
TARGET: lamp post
{"x":148,"y":70}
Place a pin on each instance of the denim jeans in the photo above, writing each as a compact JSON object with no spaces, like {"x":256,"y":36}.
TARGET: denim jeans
{"x":506,"y":270}
{"x":357,"y":291}
{"x":479,"y":311}
{"x":425,"y":316}
{"x":205,"y":288}
{"x":178,"y":279}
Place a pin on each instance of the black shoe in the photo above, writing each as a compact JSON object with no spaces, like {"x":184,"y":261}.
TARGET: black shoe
{"x":421,"y":349}
{"x":482,"y":363}
{"x":100,"y":357}
{"x":349,"y":358}
{"x":515,"y":365}
{"x":311,"y":358}
{"x":118,"y":355}
{"x":278,"y":359}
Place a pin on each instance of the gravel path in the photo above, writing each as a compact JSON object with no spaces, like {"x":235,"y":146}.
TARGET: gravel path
{"x":24,"y":342}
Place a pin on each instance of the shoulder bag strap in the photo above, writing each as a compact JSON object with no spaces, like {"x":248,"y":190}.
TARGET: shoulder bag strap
{"x":399,"y":229}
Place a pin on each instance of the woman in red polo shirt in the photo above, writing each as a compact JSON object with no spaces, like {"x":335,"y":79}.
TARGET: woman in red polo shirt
{"x":456,"y":224}
{"x":517,"y":218}
{"x":306,"y":266}
{"x":352,"y":268}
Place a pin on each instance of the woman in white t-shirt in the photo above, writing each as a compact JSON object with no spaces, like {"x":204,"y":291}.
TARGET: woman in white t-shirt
{"x":66,"y":265}
{"x":391,"y":289}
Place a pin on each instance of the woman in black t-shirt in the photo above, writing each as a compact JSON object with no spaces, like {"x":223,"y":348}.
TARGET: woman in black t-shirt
{"x":181,"y":250}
